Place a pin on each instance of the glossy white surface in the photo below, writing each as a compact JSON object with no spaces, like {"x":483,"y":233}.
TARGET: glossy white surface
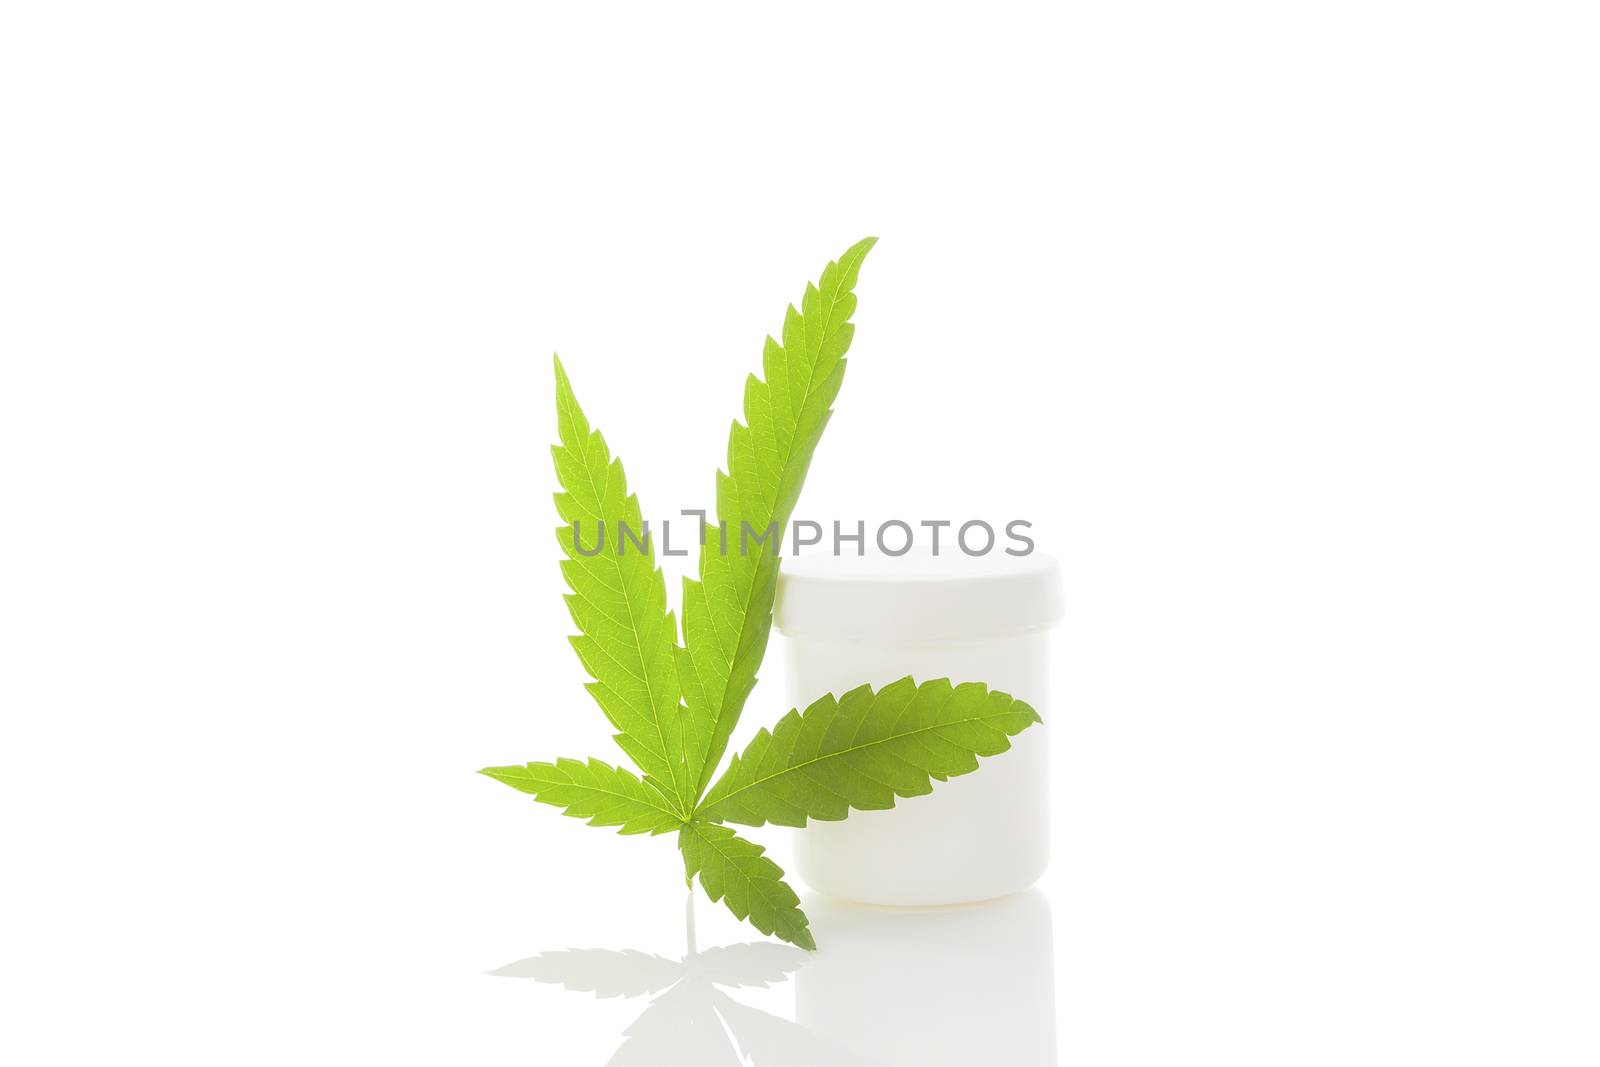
{"x":943,"y":987}
{"x":1279,"y":319}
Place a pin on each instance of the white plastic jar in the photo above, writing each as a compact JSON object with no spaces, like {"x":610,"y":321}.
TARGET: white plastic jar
{"x":847,"y":620}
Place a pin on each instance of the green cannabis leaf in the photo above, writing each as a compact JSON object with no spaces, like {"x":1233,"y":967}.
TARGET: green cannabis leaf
{"x":727,"y":614}
{"x":674,"y":707}
{"x":628,"y":639}
{"x":599,"y":792}
{"x":864,"y":750}
{"x":733,"y":870}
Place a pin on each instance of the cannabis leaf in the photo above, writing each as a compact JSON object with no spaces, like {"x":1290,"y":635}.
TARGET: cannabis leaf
{"x":628,"y":638}
{"x":599,"y":792}
{"x":863,"y":750}
{"x":691,"y":1018}
{"x":674,"y":707}
{"x":734,"y":870}
{"x":727,"y":614}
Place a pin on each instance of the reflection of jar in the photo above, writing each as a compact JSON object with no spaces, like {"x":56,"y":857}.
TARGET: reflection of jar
{"x":933,"y":987}
{"x":849,"y":620}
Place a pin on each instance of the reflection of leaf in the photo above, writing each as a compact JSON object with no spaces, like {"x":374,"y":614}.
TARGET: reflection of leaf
{"x":768,"y":1040}
{"x":601,"y":971}
{"x":754,"y":963}
{"x":679,"y":1029}
{"x":630,"y":973}
{"x":688,"y":1024}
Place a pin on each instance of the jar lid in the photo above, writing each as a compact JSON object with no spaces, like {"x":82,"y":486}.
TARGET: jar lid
{"x":917,"y":597}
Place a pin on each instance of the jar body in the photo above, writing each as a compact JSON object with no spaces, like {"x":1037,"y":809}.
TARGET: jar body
{"x":975,"y":837}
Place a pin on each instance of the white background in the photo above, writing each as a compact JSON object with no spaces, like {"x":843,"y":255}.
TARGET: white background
{"x":1279,"y":321}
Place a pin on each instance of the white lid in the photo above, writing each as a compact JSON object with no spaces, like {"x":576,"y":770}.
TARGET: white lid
{"x":918,"y":597}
